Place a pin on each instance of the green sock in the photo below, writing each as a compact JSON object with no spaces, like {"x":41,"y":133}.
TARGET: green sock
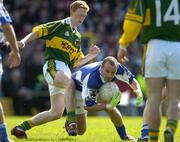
{"x":71,"y":117}
{"x":153,"y":135}
{"x":25,"y":125}
{"x":172,"y":124}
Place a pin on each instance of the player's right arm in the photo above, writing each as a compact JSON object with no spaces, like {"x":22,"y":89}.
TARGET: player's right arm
{"x":96,"y":107}
{"x":40,"y":31}
{"x":132,"y":26}
{"x":30,"y":37}
{"x":103,"y":105}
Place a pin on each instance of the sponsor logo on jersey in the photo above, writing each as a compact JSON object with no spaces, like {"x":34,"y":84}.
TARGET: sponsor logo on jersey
{"x":67,"y":46}
{"x":62,"y":44}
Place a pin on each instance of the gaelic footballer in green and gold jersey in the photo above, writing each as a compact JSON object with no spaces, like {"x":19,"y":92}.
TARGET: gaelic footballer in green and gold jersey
{"x":62,"y":51}
{"x":62,"y":42}
{"x":157,"y":22}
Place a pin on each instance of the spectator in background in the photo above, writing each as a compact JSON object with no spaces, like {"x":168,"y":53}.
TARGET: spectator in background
{"x":62,"y":53}
{"x":35,"y":88}
{"x":7,"y":30}
{"x":160,"y":31}
{"x":12,"y":86}
{"x":24,"y":98}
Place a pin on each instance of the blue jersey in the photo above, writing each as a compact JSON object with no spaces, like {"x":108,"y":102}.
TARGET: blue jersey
{"x":88,"y":80}
{"x":4,"y":15}
{"x":4,"y":18}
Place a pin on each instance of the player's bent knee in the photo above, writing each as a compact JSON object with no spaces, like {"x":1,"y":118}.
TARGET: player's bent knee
{"x":55,"y":114}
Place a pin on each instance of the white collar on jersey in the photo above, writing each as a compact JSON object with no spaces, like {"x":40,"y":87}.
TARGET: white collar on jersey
{"x":68,"y":21}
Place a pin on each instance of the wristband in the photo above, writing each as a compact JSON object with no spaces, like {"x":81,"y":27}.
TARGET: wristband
{"x":23,"y":44}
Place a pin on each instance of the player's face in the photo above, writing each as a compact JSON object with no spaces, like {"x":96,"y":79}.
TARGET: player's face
{"x":78,"y":16}
{"x":108,"y":71}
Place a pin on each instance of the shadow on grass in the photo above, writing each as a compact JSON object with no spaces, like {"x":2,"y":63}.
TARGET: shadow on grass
{"x":51,"y":140}
{"x":67,"y":139}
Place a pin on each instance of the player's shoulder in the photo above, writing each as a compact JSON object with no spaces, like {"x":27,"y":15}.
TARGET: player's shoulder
{"x":95,"y":64}
{"x":94,"y":80}
{"x":60,"y":21}
{"x":121,"y":69}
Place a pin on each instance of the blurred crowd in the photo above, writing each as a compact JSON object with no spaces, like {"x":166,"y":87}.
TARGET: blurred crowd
{"x":103,"y":27}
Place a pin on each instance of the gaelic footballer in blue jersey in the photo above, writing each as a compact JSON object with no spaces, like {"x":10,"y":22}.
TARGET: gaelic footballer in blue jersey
{"x":86,"y":82}
{"x":7,"y":33}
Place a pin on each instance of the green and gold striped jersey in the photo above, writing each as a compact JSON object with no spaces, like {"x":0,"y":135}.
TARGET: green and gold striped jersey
{"x":62,"y":42}
{"x":157,"y":19}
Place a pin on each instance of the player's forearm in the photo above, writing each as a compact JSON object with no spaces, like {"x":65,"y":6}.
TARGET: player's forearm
{"x":131,"y":30}
{"x":10,"y":37}
{"x":135,"y":85}
{"x":84,"y":60}
{"x":30,"y":37}
{"x":96,"y":107}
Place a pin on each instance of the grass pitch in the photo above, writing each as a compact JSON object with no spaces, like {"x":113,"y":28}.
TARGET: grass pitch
{"x":100,"y":129}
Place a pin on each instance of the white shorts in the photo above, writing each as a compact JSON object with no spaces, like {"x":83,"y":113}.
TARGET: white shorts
{"x":162,"y":59}
{"x":58,"y":65}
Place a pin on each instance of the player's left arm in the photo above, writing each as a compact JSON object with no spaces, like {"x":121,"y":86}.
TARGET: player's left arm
{"x":137,"y":89}
{"x":125,"y":75}
{"x":81,"y":60}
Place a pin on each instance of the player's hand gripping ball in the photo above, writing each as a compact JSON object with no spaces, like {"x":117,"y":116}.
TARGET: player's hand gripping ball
{"x":109,"y":91}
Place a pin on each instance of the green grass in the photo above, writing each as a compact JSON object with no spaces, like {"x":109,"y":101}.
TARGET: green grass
{"x":100,"y":129}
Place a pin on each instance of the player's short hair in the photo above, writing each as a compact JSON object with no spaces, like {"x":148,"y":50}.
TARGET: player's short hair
{"x":111,"y":60}
{"x":79,"y":4}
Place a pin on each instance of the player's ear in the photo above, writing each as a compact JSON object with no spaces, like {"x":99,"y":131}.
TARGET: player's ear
{"x":101,"y":69}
